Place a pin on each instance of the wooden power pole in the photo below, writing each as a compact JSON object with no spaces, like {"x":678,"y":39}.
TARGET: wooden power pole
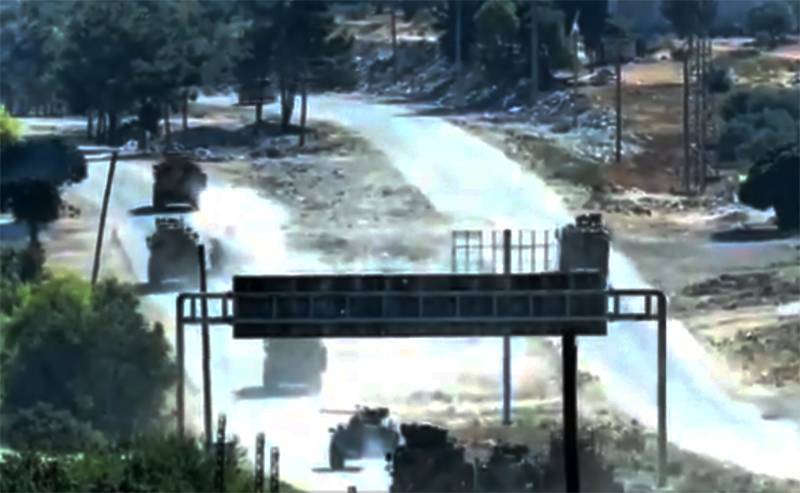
{"x":98,"y":246}
{"x":534,"y":53}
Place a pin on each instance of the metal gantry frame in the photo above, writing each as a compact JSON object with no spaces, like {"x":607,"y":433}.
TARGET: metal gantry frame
{"x":642,"y":305}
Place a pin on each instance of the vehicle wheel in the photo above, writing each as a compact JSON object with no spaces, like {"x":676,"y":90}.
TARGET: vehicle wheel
{"x":154,"y":274}
{"x":335,"y":457}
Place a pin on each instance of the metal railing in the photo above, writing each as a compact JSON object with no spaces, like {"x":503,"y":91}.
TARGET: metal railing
{"x":481,"y":251}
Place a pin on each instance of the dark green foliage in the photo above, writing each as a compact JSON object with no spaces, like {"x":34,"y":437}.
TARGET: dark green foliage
{"x":689,"y":17}
{"x":447,"y":18}
{"x":87,"y":352}
{"x":151,"y":464}
{"x":18,"y":269}
{"x":756,"y":121}
{"x":42,"y":428}
{"x":31,"y":172}
{"x":773,"y":17}
{"x":774,"y":181}
{"x":591,"y":21}
{"x":496,"y":25}
{"x":48,"y":159}
{"x":719,"y":80}
{"x":34,"y":202}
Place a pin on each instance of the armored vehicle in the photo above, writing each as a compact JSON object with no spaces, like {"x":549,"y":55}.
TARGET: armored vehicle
{"x":370,"y":432}
{"x":177,"y":181}
{"x":509,"y":468}
{"x":294,"y":363}
{"x":429,"y":461}
{"x":173,"y":253}
{"x":595,"y":474}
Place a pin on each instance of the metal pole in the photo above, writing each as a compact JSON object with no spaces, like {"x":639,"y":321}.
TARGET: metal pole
{"x":569,"y":357}
{"x":662,"y":389}
{"x":259,"y":479}
{"x":98,"y":246}
{"x":221,"y":446}
{"x":507,"y":339}
{"x":274,"y":471}
{"x":201,"y":261}
{"x":179,"y":348}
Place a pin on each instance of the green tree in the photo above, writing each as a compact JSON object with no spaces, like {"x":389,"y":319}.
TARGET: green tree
{"x":89,"y":353}
{"x":31,"y":172}
{"x":496,"y":24}
{"x":774,"y":17}
{"x":34,"y":202}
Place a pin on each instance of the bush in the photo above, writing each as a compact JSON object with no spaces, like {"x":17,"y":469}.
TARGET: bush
{"x":42,"y":428}
{"x":773,"y":182}
{"x":770,"y":20}
{"x":88,"y":352}
{"x":756,"y":121}
{"x":151,"y":464}
{"x":10,"y":128}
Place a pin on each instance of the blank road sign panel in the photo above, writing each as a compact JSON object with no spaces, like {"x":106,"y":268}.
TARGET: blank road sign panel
{"x":419,"y":305}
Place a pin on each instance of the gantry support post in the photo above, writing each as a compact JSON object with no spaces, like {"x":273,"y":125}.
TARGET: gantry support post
{"x":569,"y":358}
{"x":506,"y":339}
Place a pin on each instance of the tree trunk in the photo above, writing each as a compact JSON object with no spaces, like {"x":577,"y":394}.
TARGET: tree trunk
{"x":167,"y":124}
{"x":303,"y":112}
{"x":89,"y":124}
{"x":686,"y":156}
{"x":259,"y":112}
{"x":185,"y":112}
{"x":112,"y":128}
{"x":33,"y":233}
{"x":288,"y":92}
{"x":100,"y":134}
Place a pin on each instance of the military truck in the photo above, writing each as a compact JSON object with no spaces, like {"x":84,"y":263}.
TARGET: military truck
{"x":429,"y":461}
{"x":292,"y":364}
{"x":369,"y":432}
{"x":173,"y":253}
{"x":177,"y":181}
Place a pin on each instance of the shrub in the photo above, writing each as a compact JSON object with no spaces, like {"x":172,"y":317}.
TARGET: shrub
{"x":148,"y":464}
{"x":48,"y":430}
{"x":773,"y":182}
{"x":756,"y":121}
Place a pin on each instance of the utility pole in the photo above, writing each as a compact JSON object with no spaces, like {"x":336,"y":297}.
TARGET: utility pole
{"x":393,"y":16}
{"x":458,"y":50}
{"x":458,"y":36}
{"x":201,"y":260}
{"x":686,"y":154}
{"x":618,"y":148}
{"x":98,"y":246}
{"x":534,"y":53}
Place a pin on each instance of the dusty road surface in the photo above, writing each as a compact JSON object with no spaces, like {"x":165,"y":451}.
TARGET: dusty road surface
{"x":476,"y":184}
{"x":473,"y":185}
